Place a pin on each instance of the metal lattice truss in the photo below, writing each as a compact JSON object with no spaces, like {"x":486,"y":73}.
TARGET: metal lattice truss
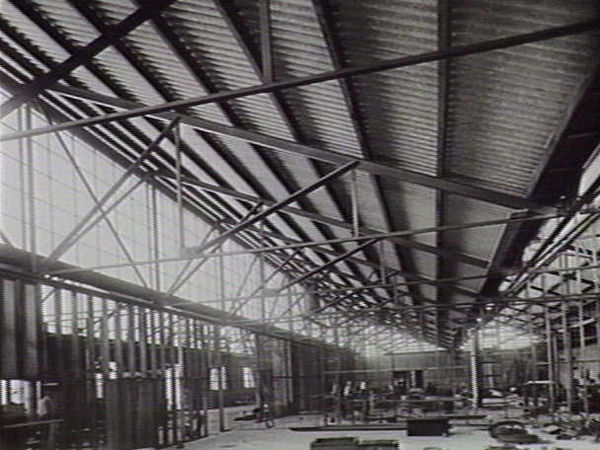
{"x":392,"y":158}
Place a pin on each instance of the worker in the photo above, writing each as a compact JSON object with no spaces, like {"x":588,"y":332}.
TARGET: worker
{"x":268,"y":416}
{"x":47,"y":409}
{"x":46,"y":406}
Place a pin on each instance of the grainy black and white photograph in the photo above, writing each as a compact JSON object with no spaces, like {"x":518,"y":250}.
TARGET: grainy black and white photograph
{"x":300,"y":224}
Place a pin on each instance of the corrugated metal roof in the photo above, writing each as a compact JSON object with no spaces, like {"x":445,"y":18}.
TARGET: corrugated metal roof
{"x":402,"y":123}
{"x":494,"y":93}
{"x":503,"y":106}
{"x":480,"y":242}
{"x":299,"y":49}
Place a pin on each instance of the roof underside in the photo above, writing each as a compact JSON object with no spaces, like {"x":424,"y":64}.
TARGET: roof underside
{"x":490,"y":121}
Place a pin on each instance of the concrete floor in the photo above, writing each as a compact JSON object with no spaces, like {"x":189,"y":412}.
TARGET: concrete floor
{"x":253,"y":436}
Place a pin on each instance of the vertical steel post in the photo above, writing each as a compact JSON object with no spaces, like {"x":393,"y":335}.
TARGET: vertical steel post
{"x":75,"y":343}
{"x":355,"y":210}
{"x":22,"y":182}
{"x":567,"y":341}
{"x":220,"y":379}
{"x":155,"y":237}
{"x":30,"y":189}
{"x":582,"y":358}
{"x":475,"y":361}
{"x":37,"y":290}
{"x":118,"y":340}
{"x":534,"y":361}
{"x":263,"y":301}
{"x":596,"y":281}
{"x":219,"y":349}
{"x":338,"y":382}
{"x":207,"y":362}
{"x":568,"y":355}
{"x":90,"y":343}
{"x":550,"y":355}
{"x":289,"y":308}
{"x":180,"y":219}
{"x":265,"y":41}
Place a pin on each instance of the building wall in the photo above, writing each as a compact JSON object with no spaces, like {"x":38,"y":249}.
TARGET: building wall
{"x":443,"y":370}
{"x":96,"y":352}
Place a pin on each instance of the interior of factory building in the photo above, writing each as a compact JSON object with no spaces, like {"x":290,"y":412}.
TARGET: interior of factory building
{"x":299,"y":224}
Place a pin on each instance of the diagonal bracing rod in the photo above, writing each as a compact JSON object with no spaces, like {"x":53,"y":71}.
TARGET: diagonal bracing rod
{"x":450,"y":254}
{"x":328,"y":264}
{"x":176,"y":283}
{"x":74,"y":235}
{"x":240,"y":305}
{"x":83,"y":56}
{"x":94,"y":198}
{"x":181,"y":279}
{"x":276,"y":207}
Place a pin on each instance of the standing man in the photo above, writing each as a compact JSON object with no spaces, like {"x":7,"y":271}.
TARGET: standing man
{"x":46,"y":406}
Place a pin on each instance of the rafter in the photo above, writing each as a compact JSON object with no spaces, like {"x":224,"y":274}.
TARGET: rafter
{"x":82,"y":56}
{"x":261,"y":60}
{"x":324,"y":13}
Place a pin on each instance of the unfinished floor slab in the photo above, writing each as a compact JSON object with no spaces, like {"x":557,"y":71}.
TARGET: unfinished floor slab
{"x":281,"y":438}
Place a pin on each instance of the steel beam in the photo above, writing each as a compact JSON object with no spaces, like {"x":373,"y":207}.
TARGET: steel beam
{"x":82,"y":56}
{"x":328,"y":242}
{"x":276,"y":207}
{"x":406,"y":61}
{"x":328,"y":264}
{"x":325,"y":15}
{"x":17,"y":263}
{"x":376,"y":167}
{"x":316,"y":217}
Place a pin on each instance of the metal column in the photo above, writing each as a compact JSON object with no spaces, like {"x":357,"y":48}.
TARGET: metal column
{"x":475,"y":367}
